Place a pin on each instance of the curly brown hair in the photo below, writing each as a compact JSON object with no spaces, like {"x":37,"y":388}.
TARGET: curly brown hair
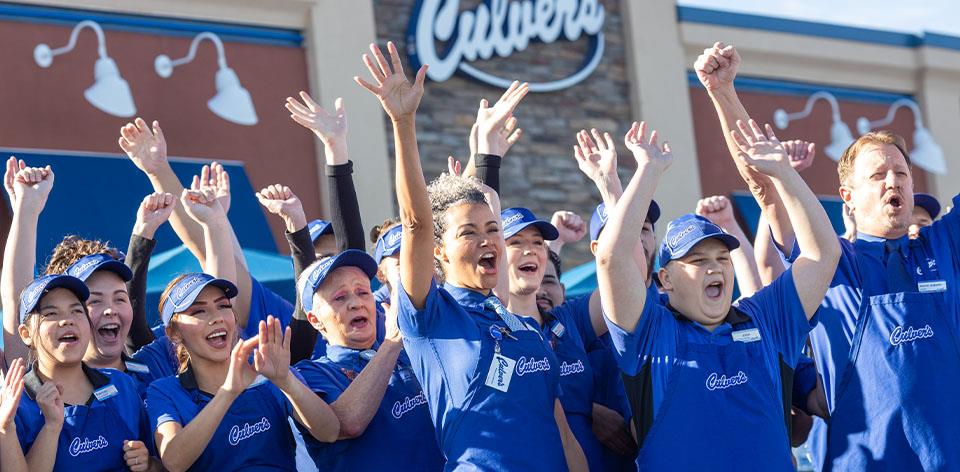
{"x":72,"y":249}
{"x":382,"y":228}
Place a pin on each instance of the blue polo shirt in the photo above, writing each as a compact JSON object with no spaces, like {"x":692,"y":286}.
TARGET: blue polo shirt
{"x":480,"y":427}
{"x":264,"y":302}
{"x":159,"y":356}
{"x":93,"y":433}
{"x":254,"y":434}
{"x":399,"y":437}
{"x":776,"y":312}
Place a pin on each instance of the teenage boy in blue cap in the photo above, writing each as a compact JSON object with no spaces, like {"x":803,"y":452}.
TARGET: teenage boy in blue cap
{"x":889,"y":323}
{"x":712,"y":370}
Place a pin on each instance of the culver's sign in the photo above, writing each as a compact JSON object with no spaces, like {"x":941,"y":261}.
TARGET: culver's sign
{"x":501,"y":27}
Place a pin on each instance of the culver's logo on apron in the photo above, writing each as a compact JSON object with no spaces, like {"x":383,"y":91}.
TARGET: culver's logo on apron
{"x":239,"y":433}
{"x":901,"y":335}
{"x":78,"y":446}
{"x":720,"y":382}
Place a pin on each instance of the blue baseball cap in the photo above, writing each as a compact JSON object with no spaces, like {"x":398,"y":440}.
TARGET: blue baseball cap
{"x":186,"y":291}
{"x":312,"y":278}
{"x":515,"y":219}
{"x":927,"y":202}
{"x":87,"y":265}
{"x":31,"y":295}
{"x":319,"y":228}
{"x":686,"y":232}
{"x":388,"y":244}
{"x":599,"y":218}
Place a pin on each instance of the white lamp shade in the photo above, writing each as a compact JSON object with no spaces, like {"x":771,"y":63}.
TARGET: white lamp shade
{"x":232,"y":102}
{"x":840,"y":139}
{"x":926,"y":152}
{"x":109,"y":92}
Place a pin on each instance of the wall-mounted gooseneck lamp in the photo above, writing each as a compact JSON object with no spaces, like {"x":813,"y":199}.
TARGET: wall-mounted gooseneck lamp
{"x":109,"y":92}
{"x":232,"y":102}
{"x":926,"y":152}
{"x":840,"y":135}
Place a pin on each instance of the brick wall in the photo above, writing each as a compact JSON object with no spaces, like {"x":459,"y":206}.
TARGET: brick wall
{"x":540,"y":172}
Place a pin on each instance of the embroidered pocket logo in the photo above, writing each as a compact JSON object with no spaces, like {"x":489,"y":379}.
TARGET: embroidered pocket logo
{"x":238,"y":433}
{"x":86,"y":445}
{"x":902,"y":335}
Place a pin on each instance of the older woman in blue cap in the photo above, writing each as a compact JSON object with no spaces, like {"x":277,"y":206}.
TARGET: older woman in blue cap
{"x":384,"y":420}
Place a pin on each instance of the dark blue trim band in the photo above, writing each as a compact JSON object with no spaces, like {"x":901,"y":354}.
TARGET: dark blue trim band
{"x":152,"y":25}
{"x":784,"y":87}
{"x":812,"y":28}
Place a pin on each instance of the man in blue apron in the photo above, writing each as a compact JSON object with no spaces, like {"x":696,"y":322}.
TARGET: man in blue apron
{"x":708,"y":375}
{"x":888,"y":325}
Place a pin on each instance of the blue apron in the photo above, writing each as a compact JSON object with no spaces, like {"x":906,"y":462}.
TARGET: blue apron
{"x":253,"y":435}
{"x":721,"y":398}
{"x":527,"y":393}
{"x":897,"y":400}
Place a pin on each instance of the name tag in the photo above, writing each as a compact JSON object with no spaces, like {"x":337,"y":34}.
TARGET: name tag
{"x":137,"y":367}
{"x":747,"y":335}
{"x":932,"y":286}
{"x":104,"y":393}
{"x":500,"y":373}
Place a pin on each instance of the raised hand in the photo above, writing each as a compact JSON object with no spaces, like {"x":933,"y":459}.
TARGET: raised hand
{"x":399,"y":98}
{"x":144,"y":146}
{"x":50,"y":401}
{"x":763,"y":153}
{"x":596,"y":156}
{"x":241,"y":373}
{"x":31,"y":187}
{"x":202,"y":205}
{"x":331,"y":129}
{"x":570,"y":225}
{"x":136,"y":455}
{"x":155,"y":210}
{"x":9,"y":177}
{"x":718,"y":209}
{"x":496,"y":126}
{"x":215,"y":178}
{"x":280,"y":200}
{"x":272,"y":358}
{"x":717,"y":66}
{"x":647,"y":152}
{"x":801,"y":153}
{"x":453,"y":166}
{"x":10,"y":395}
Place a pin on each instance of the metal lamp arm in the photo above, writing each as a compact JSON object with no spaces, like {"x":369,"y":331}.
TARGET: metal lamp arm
{"x":101,"y":42}
{"x":891,"y":113}
{"x":221,"y":57}
{"x":834,"y":106}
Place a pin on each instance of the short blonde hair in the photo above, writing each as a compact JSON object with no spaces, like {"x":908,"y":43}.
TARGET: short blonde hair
{"x":879,"y":138}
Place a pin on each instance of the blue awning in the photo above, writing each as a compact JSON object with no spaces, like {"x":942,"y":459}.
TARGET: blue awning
{"x":97,"y":196}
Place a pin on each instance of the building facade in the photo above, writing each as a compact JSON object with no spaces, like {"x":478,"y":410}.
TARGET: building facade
{"x":610,"y":62}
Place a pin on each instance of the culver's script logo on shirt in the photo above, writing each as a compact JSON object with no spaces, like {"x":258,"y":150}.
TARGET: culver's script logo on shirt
{"x":720,"y":382}
{"x":570,"y":369}
{"x":500,"y":27}
{"x":239,"y":433}
{"x":902,"y":335}
{"x":531,"y":365}
{"x":78,"y":446}
{"x":401,"y":408}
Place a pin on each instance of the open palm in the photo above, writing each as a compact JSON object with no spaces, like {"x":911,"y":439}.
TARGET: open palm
{"x":272,"y":358}
{"x":399,"y":98}
{"x":146,"y":147}
{"x":762,"y":152}
{"x":312,"y":116}
{"x":596,"y":156}
{"x":647,"y":151}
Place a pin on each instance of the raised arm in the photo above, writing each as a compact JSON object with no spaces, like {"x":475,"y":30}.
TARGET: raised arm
{"x":358,"y":404}
{"x":281,"y":201}
{"x":155,"y":210}
{"x":28,"y":188}
{"x":180,"y":445}
{"x":202,"y":206}
{"x":597,"y":158}
{"x":332,"y":131}
{"x":719,"y":210}
{"x":820,"y":250}
{"x":716,"y":68}
{"x":11,"y":455}
{"x":400,"y":100}
{"x":769,"y":264}
{"x":617,"y":271}
{"x":147,"y":149}
{"x":490,"y":141}
{"x":572,"y":228}
{"x":272,"y":360}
